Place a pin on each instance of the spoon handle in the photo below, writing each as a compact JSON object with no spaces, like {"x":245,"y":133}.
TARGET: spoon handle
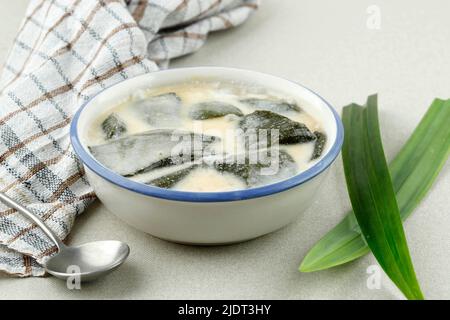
{"x":13,"y":204}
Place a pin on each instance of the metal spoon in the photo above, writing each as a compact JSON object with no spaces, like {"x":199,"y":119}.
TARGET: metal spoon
{"x":88,"y":261}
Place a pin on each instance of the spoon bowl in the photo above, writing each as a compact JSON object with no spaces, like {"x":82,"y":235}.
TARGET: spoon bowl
{"x":88,"y":261}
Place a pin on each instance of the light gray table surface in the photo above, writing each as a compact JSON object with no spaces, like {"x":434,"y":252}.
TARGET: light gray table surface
{"x":327,"y":46}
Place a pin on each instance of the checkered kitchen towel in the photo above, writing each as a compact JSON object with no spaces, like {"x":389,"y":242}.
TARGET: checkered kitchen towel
{"x":65,"y":52}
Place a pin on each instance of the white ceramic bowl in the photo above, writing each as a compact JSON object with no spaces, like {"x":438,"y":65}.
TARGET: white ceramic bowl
{"x":206,"y":217}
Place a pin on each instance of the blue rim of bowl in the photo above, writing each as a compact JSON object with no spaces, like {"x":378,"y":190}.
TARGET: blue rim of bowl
{"x":226,"y":196}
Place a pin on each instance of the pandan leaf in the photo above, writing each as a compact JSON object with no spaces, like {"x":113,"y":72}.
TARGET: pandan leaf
{"x":373,"y":198}
{"x":413,"y":172}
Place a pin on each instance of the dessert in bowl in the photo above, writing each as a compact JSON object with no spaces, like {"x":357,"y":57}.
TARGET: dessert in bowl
{"x":206,"y":155}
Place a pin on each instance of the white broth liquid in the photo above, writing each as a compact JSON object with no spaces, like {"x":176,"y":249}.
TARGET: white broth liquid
{"x":118,"y":150}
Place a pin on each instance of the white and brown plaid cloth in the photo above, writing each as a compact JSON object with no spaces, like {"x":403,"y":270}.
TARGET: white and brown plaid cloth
{"x":65,"y":52}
